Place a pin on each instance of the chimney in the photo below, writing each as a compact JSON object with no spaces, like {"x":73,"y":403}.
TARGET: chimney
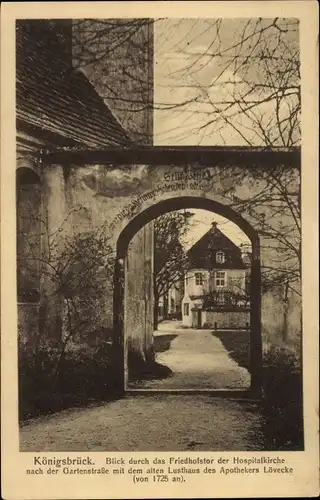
{"x":245,"y":253}
{"x":214,"y":226}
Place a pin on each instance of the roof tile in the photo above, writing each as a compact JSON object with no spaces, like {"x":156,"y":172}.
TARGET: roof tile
{"x":202,"y":253}
{"x":56,"y":98}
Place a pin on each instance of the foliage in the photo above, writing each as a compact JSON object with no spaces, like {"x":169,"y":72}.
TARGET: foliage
{"x":225,"y":299}
{"x":219,"y":81}
{"x":83,"y":265}
{"x":275,"y":210}
{"x":221,"y":78}
{"x":115,"y":54}
{"x":86,"y":375}
{"x":175,"y":316}
{"x":74,"y":268}
{"x":239,"y":81}
{"x":54,"y":370}
{"x":282,"y":402}
{"x":170,"y":260}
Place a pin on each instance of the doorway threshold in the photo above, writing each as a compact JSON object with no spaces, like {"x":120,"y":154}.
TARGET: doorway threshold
{"x":247,"y":394}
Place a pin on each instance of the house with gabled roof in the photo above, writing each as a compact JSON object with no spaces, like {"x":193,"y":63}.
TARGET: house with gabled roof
{"x":216,"y":284}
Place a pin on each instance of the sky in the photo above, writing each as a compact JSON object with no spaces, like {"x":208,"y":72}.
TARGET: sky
{"x":206,"y":70}
{"x":201,"y":223}
{"x":187,"y":69}
{"x":178,"y":44}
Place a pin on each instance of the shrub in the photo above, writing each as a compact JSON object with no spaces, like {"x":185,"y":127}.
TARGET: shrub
{"x":207,"y":326}
{"x":84,"y":374}
{"x":176,"y":316}
{"x":282,"y":404}
{"x":34,"y":381}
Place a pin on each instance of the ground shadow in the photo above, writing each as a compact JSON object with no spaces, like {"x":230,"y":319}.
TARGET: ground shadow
{"x":162,"y":343}
{"x":140,"y":369}
{"x":237,"y":344}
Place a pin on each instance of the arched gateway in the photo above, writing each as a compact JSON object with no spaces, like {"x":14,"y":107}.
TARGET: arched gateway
{"x":96,"y":183}
{"x":195,"y":202}
{"x":122,"y":191}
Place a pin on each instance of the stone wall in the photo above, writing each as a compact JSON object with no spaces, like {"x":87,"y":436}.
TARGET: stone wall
{"x":28,"y":323}
{"x":110,"y":198}
{"x":80,"y":200}
{"x":158,"y":185}
{"x":122,"y":72}
{"x":237,"y":320}
{"x":138,"y":299}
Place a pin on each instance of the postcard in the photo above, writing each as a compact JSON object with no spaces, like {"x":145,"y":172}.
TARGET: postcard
{"x":159,"y":250}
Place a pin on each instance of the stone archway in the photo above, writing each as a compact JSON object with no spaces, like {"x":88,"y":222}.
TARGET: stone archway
{"x":196,"y":202}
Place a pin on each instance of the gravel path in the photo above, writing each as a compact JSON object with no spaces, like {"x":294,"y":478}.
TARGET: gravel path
{"x":152,"y":422}
{"x":198,"y":360}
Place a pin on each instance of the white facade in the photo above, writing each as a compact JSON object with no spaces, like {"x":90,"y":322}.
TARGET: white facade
{"x":199,"y":282}
{"x":174,"y":299}
{"x":169,"y":303}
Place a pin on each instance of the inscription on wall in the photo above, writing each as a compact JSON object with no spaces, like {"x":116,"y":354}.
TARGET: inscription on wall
{"x":171,"y":180}
{"x":191,"y":178}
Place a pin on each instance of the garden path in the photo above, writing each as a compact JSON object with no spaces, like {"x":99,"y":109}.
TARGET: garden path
{"x":198,"y":360}
{"x":151,"y":422}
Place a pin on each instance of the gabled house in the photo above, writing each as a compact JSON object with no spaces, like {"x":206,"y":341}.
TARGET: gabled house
{"x":216,"y":282}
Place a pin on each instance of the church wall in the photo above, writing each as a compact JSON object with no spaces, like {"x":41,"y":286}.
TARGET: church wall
{"x":95,"y":197}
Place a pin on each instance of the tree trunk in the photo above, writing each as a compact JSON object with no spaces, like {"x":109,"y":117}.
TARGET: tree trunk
{"x":155,"y":312}
{"x":165,"y":306}
{"x":285,"y":314}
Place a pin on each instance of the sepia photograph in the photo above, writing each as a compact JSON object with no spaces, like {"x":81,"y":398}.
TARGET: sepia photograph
{"x":158,"y":234}
{"x":159,"y":250}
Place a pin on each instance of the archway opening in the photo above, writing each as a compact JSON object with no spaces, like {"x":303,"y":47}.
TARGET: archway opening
{"x":204,"y":317}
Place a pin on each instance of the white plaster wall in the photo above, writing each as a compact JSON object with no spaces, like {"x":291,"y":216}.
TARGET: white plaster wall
{"x":235,"y":281}
{"x":190,"y":280}
{"x":187,"y":319}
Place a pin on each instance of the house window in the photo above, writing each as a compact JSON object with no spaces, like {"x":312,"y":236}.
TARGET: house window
{"x":220,"y":257}
{"x":220,"y":279}
{"x":186,"y":309}
{"x":199,"y":278}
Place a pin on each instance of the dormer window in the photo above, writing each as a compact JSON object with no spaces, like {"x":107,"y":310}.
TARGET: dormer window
{"x":220,"y":257}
